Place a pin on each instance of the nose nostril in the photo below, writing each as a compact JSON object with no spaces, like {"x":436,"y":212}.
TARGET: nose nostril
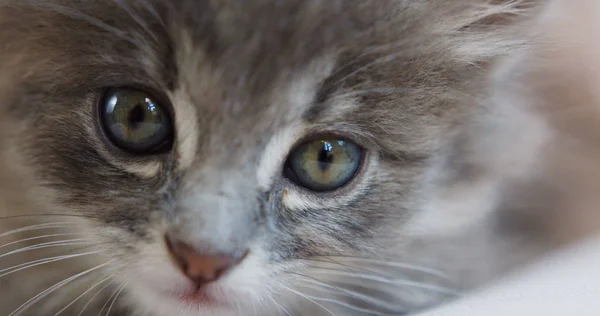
{"x":202,"y":267}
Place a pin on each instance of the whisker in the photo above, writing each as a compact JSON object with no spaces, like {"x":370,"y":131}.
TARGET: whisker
{"x":115,"y":299}
{"x":39,"y":237}
{"x":384,"y":59}
{"x":393,"y":281}
{"x":47,"y":215}
{"x":353,"y":307}
{"x":280,"y":306}
{"x":152,"y":10}
{"x":109,"y":299}
{"x":84,"y":293}
{"x":350,"y":293}
{"x":372,"y":90}
{"x":393,"y":264}
{"x":92,"y":298}
{"x":137,"y":19}
{"x":352,"y":269}
{"x":308,"y":298}
{"x":371,"y":50}
{"x":78,"y":15}
{"x":331,"y":261}
{"x":40,"y":262}
{"x":36,"y":227}
{"x":254,"y":308}
{"x":51,"y":244}
{"x":55,"y":287}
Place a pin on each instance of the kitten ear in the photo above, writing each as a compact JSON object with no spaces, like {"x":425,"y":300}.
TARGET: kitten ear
{"x":569,"y":41}
{"x":544,"y":125}
{"x":559,"y":79}
{"x":563,"y":68}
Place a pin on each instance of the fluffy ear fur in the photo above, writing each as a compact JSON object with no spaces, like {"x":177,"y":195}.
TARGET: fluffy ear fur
{"x":558,"y":79}
{"x":553,"y":87}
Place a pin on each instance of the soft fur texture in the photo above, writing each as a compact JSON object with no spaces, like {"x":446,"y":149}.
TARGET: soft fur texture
{"x":557,"y":79}
{"x":442,"y":204}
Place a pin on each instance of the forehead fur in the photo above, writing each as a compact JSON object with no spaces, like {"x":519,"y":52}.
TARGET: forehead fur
{"x":411,"y":67}
{"x":250,"y":39}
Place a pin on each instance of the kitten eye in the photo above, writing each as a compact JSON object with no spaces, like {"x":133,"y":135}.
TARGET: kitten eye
{"x":135,"y":122}
{"x":323,"y":165}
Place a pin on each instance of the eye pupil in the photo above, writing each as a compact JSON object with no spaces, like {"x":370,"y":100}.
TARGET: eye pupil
{"x":326,"y":157}
{"x":134,"y":122}
{"x":137,"y":116}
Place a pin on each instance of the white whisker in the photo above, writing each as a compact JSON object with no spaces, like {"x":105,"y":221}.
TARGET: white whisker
{"x":137,"y":19}
{"x":308,"y":298}
{"x":369,"y":91}
{"x":350,"y":306}
{"x":53,"y":288}
{"x":83,"y":294}
{"x":37,"y":227}
{"x":92,"y":298}
{"x":369,"y":50}
{"x":393,"y":281}
{"x":394,"y":265}
{"x":280,"y":306}
{"x":380,"y":60}
{"x":115,"y":299}
{"x":152,"y":10}
{"x":38,"y":237}
{"x":78,"y":15}
{"x":40,"y":262}
{"x":353,"y":268}
{"x":350,"y":293}
{"x":254,"y":308}
{"x":70,"y":242}
{"x":109,"y":299}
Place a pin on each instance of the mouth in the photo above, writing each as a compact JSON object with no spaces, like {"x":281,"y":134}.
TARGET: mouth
{"x":198,"y":298}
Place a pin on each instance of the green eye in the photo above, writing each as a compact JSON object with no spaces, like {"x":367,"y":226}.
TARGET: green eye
{"x":135,"y":122}
{"x":323,"y":165}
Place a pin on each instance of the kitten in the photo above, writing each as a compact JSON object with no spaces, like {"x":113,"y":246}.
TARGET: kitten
{"x":261,"y":157}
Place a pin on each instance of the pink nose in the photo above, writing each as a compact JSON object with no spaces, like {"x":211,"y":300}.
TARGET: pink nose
{"x":202,"y":268}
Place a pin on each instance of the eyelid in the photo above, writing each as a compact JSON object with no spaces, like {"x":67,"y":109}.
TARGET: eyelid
{"x":328,"y":134}
{"x":158,"y":95}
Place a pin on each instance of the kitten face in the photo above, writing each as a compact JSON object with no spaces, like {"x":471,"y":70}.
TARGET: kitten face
{"x":238,"y":88}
